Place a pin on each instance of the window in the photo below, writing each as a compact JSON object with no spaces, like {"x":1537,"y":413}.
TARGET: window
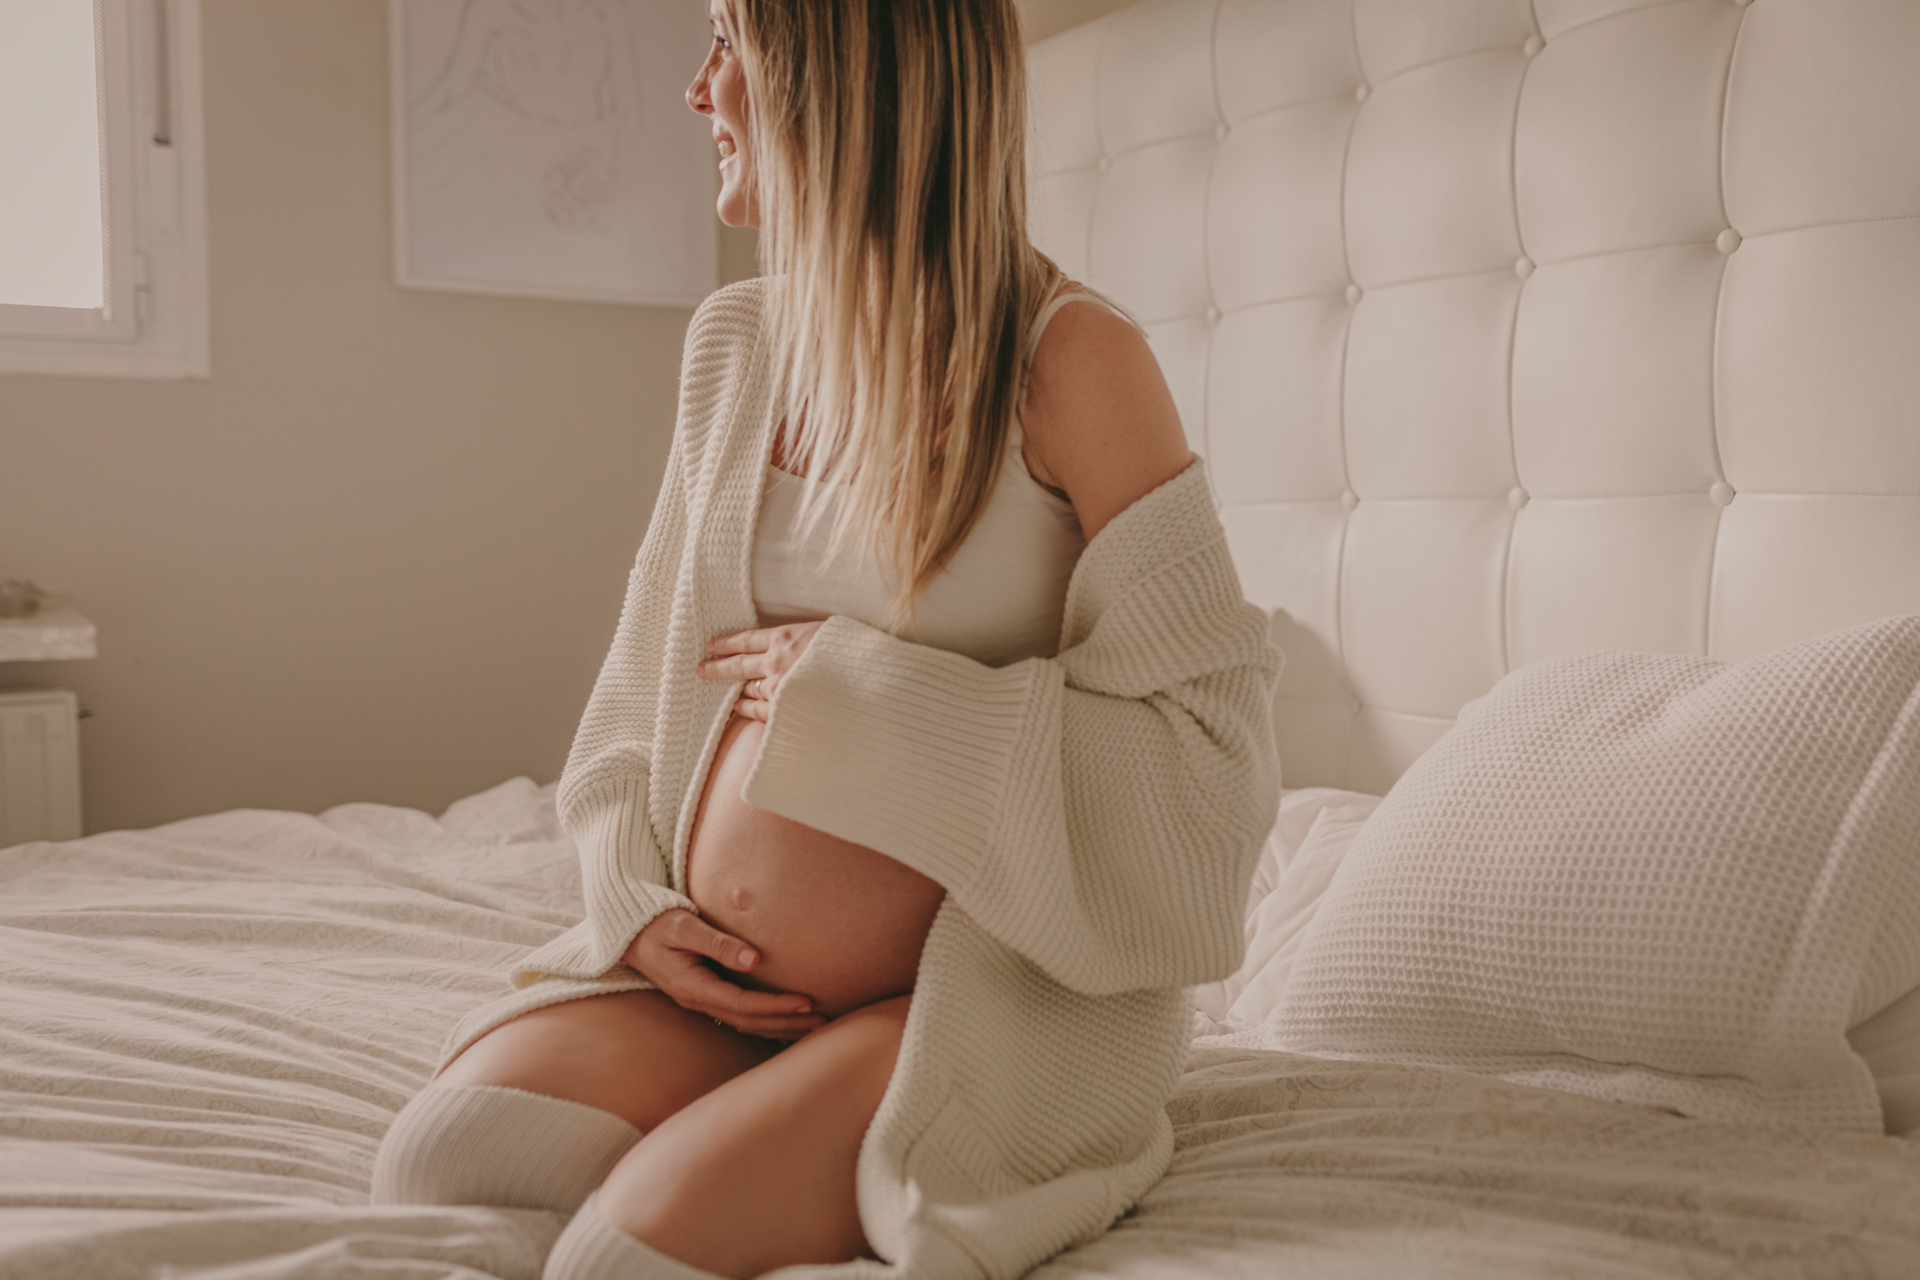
{"x":102,"y":189}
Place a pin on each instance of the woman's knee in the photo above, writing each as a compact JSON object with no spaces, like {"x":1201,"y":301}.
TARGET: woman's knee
{"x":636,"y":1054}
{"x":535,"y":1113}
{"x":784,"y":1140}
{"x":466,"y":1144}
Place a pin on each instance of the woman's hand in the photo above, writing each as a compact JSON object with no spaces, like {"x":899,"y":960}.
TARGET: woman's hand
{"x":760,"y":658}
{"x":670,"y":953}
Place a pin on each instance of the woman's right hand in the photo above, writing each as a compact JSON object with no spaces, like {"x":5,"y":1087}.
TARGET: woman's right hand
{"x":671,"y":952}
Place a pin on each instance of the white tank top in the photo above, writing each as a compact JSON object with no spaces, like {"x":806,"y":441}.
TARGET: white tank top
{"x":999,"y":599}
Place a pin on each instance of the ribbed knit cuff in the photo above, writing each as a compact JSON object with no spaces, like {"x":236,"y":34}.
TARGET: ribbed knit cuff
{"x":617,"y":858}
{"x":483,"y":1144}
{"x":895,"y":746}
{"x":592,"y":1248}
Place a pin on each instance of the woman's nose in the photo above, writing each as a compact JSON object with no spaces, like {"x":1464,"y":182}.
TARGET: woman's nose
{"x":697,"y":92}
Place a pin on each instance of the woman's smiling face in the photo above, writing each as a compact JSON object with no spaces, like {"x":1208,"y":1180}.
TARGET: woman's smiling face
{"x":719,"y":92}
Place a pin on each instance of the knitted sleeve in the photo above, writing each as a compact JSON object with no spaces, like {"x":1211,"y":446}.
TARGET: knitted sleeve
{"x":605,"y":794}
{"x":625,"y":867}
{"x":1099,"y":812}
{"x":608,"y":803}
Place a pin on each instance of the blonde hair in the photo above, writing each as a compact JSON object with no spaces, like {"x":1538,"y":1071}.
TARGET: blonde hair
{"x":889,"y":153}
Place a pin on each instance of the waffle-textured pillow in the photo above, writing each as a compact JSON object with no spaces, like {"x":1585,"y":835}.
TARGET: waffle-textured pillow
{"x":1662,"y":880}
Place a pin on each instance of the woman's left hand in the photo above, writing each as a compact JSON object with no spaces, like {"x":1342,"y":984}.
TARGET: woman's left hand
{"x":759,"y":657}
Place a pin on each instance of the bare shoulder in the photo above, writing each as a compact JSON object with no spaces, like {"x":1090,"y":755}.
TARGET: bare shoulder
{"x":1100,"y":423}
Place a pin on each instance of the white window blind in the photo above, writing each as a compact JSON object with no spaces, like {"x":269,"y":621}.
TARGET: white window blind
{"x":102,"y":188}
{"x":52,"y":242}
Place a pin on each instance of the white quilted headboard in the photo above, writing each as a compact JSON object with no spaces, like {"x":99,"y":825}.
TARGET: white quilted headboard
{"x":1514,"y":329}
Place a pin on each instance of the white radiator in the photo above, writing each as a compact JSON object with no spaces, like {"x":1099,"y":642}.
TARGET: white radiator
{"x":39,"y":766}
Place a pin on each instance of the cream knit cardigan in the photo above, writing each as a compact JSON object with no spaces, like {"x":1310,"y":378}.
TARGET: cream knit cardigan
{"x":1094,"y":818}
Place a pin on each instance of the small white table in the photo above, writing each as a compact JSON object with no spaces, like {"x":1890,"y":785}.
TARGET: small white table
{"x":40,"y":731}
{"x":48,"y":636}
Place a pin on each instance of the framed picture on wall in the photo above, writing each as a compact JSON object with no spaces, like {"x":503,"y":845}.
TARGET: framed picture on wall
{"x":543,"y":148}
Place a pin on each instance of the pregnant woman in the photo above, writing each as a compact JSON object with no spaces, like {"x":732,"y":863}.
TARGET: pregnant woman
{"x":933,"y":751}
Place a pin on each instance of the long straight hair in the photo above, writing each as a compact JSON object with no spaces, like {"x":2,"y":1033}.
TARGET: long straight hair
{"x":889,"y":152}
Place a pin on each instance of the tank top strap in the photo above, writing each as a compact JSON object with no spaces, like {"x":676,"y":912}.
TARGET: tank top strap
{"x":1069,"y":291}
{"x":1072,"y":291}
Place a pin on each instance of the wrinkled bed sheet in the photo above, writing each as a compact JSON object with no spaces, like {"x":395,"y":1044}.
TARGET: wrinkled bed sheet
{"x":205,"y":1028}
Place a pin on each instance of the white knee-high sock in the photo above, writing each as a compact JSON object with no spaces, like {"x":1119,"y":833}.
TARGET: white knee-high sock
{"x":591,"y":1248}
{"x":482,"y":1144}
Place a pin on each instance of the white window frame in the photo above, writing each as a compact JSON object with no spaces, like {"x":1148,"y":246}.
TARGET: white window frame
{"x":154,"y":204}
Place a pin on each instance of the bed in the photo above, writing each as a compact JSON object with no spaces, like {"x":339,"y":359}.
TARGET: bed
{"x":207,"y":1026}
{"x":1513,"y":332}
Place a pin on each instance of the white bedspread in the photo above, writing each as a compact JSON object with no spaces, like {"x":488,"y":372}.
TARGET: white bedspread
{"x":205,"y":1028}
{"x":222,"y":1015}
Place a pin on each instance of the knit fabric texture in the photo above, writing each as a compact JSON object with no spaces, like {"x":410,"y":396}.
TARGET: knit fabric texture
{"x":1094,"y":818}
{"x":484,"y":1144}
{"x":1655,"y":879}
{"x":592,"y":1248}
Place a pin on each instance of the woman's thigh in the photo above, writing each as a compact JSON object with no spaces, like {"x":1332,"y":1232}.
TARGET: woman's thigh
{"x":759,"y":1173}
{"x":635,"y":1053}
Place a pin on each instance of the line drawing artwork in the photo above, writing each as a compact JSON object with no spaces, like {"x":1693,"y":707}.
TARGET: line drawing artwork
{"x":544,"y":148}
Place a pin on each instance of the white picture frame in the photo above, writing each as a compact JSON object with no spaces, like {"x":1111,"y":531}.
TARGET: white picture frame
{"x":544,"y":149}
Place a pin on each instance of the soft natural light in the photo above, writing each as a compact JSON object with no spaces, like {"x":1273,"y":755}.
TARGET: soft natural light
{"x":51,"y":244}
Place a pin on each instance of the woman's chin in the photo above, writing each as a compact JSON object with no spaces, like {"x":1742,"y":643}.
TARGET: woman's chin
{"x":733,"y":206}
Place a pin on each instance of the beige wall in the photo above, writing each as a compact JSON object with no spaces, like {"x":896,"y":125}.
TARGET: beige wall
{"x":379,"y":554}
{"x":1050,"y":17}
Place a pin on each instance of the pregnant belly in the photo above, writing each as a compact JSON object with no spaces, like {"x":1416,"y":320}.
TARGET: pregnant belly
{"x":832,"y":920}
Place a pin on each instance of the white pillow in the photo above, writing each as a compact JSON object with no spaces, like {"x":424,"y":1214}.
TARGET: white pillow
{"x":1312,"y":832}
{"x":1650,"y":878}
{"x":1315,"y":830}
{"x":1889,"y":1042}
{"x":1280,"y":921}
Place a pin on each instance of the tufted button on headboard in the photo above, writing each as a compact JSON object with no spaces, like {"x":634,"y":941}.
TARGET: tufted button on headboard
{"x":1512,"y":330}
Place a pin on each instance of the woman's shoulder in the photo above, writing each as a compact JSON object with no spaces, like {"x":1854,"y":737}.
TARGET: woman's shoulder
{"x":737,"y":301}
{"x":725,"y":347}
{"x":1098,"y":418}
{"x":724,"y":358}
{"x":730,"y":316}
